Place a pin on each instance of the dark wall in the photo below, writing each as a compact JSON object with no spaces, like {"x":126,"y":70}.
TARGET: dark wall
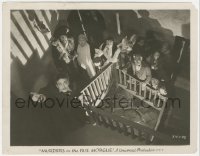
{"x":167,"y":23}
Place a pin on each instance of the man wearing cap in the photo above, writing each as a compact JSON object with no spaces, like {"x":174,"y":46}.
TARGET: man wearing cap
{"x":63,"y":46}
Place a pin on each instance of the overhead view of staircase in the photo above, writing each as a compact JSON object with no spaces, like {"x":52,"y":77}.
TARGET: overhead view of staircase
{"x":147,"y":117}
{"x":100,"y":87}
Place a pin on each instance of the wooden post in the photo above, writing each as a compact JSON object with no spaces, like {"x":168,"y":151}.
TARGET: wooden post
{"x":135,"y":85}
{"x":154,"y":99}
{"x":100,"y":82}
{"x":140,"y":88}
{"x":145,"y":92}
{"x":106,"y":76}
{"x":130,"y":83}
{"x":98,"y":86}
{"x":120,"y":76}
{"x":103,"y":81}
{"x":150,"y":93}
{"x":125,"y":79}
{"x":95,"y":89}
{"x":85,"y":97}
{"x":160,"y":115}
{"x":92,"y":93}
{"x":88,"y":95}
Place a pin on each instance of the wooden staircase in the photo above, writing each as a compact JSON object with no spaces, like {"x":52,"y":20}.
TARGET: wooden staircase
{"x":98,"y":88}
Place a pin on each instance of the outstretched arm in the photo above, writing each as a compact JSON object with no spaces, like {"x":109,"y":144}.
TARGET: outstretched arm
{"x":116,"y":55}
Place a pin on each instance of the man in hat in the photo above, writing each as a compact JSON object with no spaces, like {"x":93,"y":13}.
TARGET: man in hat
{"x":63,"y":46}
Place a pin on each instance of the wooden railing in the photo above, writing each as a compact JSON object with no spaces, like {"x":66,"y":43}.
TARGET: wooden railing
{"x":99,"y":87}
{"x":150,"y":96}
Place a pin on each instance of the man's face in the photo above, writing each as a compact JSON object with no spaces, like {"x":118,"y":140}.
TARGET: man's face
{"x":63,"y":85}
{"x":126,"y":46}
{"x":154,"y":83}
{"x":156,"y":55}
{"x":82,"y":41}
{"x":109,"y":43}
{"x":138,"y":60}
{"x":141,"y":42}
{"x":71,"y":44}
{"x":64,"y":40}
{"x":165,"y":49}
{"x":68,"y":43}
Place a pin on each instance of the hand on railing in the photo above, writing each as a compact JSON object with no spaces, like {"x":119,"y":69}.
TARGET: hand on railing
{"x":37,"y":97}
{"x":162,"y":91}
{"x":144,"y":85}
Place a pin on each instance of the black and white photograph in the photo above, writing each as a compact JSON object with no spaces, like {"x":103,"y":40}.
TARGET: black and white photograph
{"x":100,"y":77}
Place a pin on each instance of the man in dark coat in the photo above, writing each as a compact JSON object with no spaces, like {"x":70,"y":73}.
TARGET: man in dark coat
{"x":65,"y":59}
{"x":61,"y":112}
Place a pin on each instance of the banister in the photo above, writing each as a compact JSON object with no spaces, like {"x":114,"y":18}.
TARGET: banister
{"x":98,"y":87}
{"x":138,"y":80}
{"x":145,"y":129}
{"x":98,"y":75}
{"x":93,"y":80}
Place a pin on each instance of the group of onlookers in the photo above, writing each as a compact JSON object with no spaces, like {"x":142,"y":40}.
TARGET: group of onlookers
{"x":145,"y":58}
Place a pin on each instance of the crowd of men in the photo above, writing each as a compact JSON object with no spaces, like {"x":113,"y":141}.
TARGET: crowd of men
{"x":77,"y":62}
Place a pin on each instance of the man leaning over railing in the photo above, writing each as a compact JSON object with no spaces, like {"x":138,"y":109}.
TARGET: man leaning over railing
{"x":139,"y":69}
